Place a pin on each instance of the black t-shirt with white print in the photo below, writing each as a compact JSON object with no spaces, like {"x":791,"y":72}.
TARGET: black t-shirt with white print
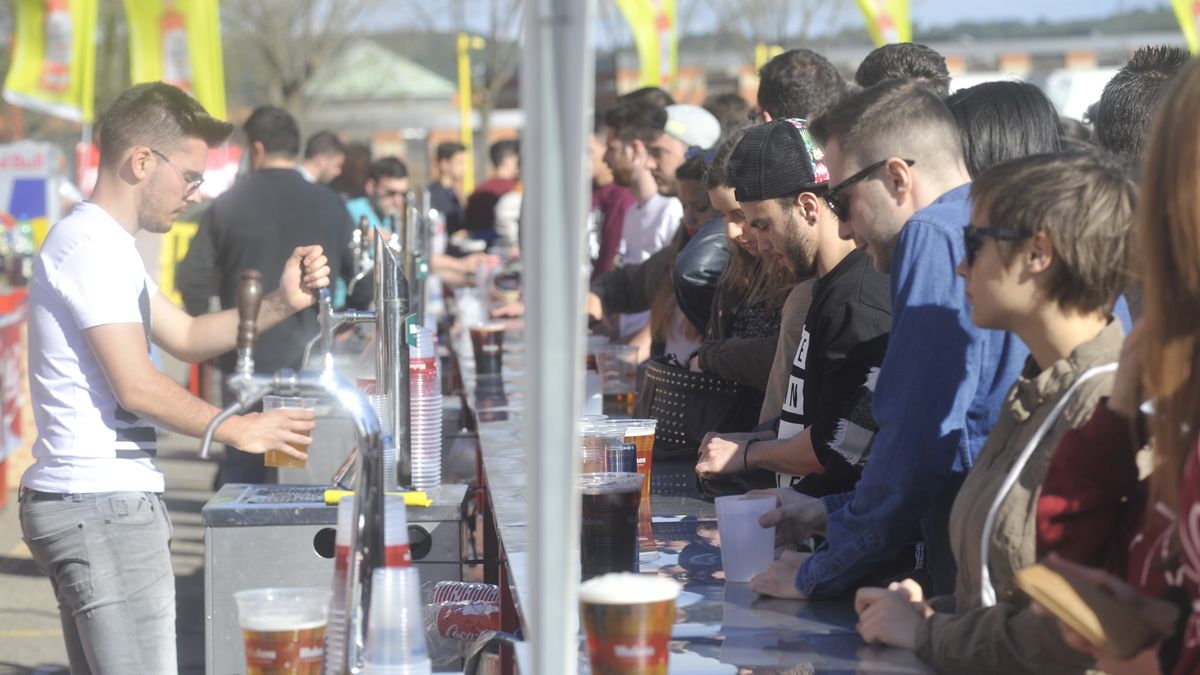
{"x":834,"y":370}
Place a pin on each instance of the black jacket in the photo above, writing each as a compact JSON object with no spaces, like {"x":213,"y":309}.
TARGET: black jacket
{"x":698,"y":267}
{"x":255,"y":225}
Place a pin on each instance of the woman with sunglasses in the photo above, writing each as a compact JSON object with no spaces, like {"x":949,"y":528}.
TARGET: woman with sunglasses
{"x":1046,"y":260}
{"x":1161,"y":562}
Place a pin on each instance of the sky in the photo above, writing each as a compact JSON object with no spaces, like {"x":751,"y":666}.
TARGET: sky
{"x":944,"y":12}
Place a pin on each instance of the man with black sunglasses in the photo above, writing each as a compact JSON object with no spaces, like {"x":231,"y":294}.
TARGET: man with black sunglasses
{"x":901,"y":186}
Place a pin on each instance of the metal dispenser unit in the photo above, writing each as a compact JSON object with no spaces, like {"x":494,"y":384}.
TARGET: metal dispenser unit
{"x":283,"y":535}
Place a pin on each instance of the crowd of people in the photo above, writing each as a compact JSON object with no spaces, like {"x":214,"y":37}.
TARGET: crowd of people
{"x":964,"y":316}
{"x":960,"y":320}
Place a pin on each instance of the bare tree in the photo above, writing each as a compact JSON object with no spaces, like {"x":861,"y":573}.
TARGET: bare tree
{"x":294,"y":38}
{"x":790,"y":23}
{"x":502,"y":54}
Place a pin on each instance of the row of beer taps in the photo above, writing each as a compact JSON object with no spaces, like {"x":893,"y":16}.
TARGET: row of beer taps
{"x":398,"y":306}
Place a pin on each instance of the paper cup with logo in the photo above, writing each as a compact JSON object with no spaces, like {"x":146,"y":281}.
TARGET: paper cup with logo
{"x":628,"y":619}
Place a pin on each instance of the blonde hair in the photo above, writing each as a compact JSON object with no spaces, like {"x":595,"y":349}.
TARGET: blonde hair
{"x":1170,"y":245}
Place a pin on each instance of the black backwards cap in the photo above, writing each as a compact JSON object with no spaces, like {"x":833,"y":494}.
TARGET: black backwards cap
{"x":777,"y":159}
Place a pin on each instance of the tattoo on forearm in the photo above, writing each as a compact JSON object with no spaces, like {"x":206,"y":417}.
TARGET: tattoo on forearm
{"x":277,"y":306}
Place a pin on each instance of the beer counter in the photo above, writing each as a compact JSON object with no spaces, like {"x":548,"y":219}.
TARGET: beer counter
{"x":720,"y":627}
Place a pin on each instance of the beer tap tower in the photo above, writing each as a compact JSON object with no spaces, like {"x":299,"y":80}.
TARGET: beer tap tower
{"x":374,"y":475}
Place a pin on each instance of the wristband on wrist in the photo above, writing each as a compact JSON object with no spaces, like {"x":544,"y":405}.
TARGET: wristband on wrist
{"x":746,"y":456}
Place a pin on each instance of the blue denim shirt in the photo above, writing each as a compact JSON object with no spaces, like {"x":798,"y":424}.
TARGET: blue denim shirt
{"x":938,"y":393}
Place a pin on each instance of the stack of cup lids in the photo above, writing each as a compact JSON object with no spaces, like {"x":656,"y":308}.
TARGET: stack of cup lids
{"x":425,"y":411}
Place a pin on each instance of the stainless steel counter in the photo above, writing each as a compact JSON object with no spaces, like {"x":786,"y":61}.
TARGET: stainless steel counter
{"x":721,"y":627}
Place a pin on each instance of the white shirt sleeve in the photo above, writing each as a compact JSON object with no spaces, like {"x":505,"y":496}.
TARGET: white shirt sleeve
{"x":667,"y":224}
{"x":103,"y":284}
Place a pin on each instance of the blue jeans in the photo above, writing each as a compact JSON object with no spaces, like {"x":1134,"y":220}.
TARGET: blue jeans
{"x":108,"y":558}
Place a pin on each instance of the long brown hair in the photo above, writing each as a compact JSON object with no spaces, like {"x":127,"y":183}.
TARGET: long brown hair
{"x":1170,"y":250}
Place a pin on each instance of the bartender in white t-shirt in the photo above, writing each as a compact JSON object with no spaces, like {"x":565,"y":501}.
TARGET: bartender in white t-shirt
{"x":91,"y":506}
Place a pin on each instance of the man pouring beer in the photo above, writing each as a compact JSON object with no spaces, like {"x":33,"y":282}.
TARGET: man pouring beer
{"x":91,"y":505}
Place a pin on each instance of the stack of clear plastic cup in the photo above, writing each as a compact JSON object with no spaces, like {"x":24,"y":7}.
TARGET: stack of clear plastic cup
{"x":601,"y":437}
{"x":396,"y":629}
{"x":335,"y":631}
{"x":396,"y":552}
{"x":384,"y":412}
{"x":425,"y":410}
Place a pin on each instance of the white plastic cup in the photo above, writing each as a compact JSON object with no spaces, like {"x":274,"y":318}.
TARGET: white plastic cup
{"x":395,"y":532}
{"x":746,"y":549}
{"x":396,"y":632}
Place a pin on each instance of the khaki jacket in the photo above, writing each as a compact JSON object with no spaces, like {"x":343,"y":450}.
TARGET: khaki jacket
{"x":1006,"y":637}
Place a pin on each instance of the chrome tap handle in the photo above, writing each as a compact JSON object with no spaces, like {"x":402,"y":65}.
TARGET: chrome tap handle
{"x":215,"y":422}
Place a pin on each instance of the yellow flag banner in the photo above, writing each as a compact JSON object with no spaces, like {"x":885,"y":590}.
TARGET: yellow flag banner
{"x":655,"y":35}
{"x":888,"y":21}
{"x":179,"y":42}
{"x":1188,"y":13}
{"x":53,"y":68}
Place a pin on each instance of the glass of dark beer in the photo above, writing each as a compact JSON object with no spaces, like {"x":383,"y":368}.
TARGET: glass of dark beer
{"x":487,"y":339}
{"x":609,"y":535}
{"x":627,"y":619}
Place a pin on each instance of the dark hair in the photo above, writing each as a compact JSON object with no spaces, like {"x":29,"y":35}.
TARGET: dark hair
{"x":1084,"y":202}
{"x":731,"y":110}
{"x":323,"y":143}
{"x":156,"y":115}
{"x":999,"y":121}
{"x":448,"y":149}
{"x":692,"y":168}
{"x":1126,"y":108}
{"x":717,"y":174}
{"x":502,"y":150}
{"x":892,"y":119}
{"x":353,"y":178}
{"x":1071,"y":129}
{"x":651,"y":96}
{"x":905,"y":61}
{"x":798,"y":83}
{"x":275,"y":128}
{"x":636,"y":121}
{"x":388,"y":167}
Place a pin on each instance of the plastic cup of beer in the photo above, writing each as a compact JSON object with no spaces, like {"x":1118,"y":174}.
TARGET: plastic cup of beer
{"x":627,"y":619}
{"x":746,"y":549}
{"x":277,"y":458}
{"x":618,"y":378}
{"x":609,"y":533}
{"x":283,"y":629}
{"x":641,"y":434}
{"x":487,"y":341}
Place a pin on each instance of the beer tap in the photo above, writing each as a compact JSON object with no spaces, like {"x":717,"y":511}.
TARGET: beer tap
{"x":330,"y":322}
{"x":361,"y":251}
{"x":367,"y":542}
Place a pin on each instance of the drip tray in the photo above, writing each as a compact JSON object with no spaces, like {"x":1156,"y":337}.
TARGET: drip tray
{"x":283,"y":494}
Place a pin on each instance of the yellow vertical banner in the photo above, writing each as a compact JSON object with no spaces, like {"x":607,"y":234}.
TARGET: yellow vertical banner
{"x":1188,"y":13}
{"x":888,"y":21}
{"x":179,"y":42}
{"x":656,"y":36}
{"x":53,"y":67}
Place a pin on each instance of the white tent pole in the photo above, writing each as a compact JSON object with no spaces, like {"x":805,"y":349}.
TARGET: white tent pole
{"x":557,"y":86}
